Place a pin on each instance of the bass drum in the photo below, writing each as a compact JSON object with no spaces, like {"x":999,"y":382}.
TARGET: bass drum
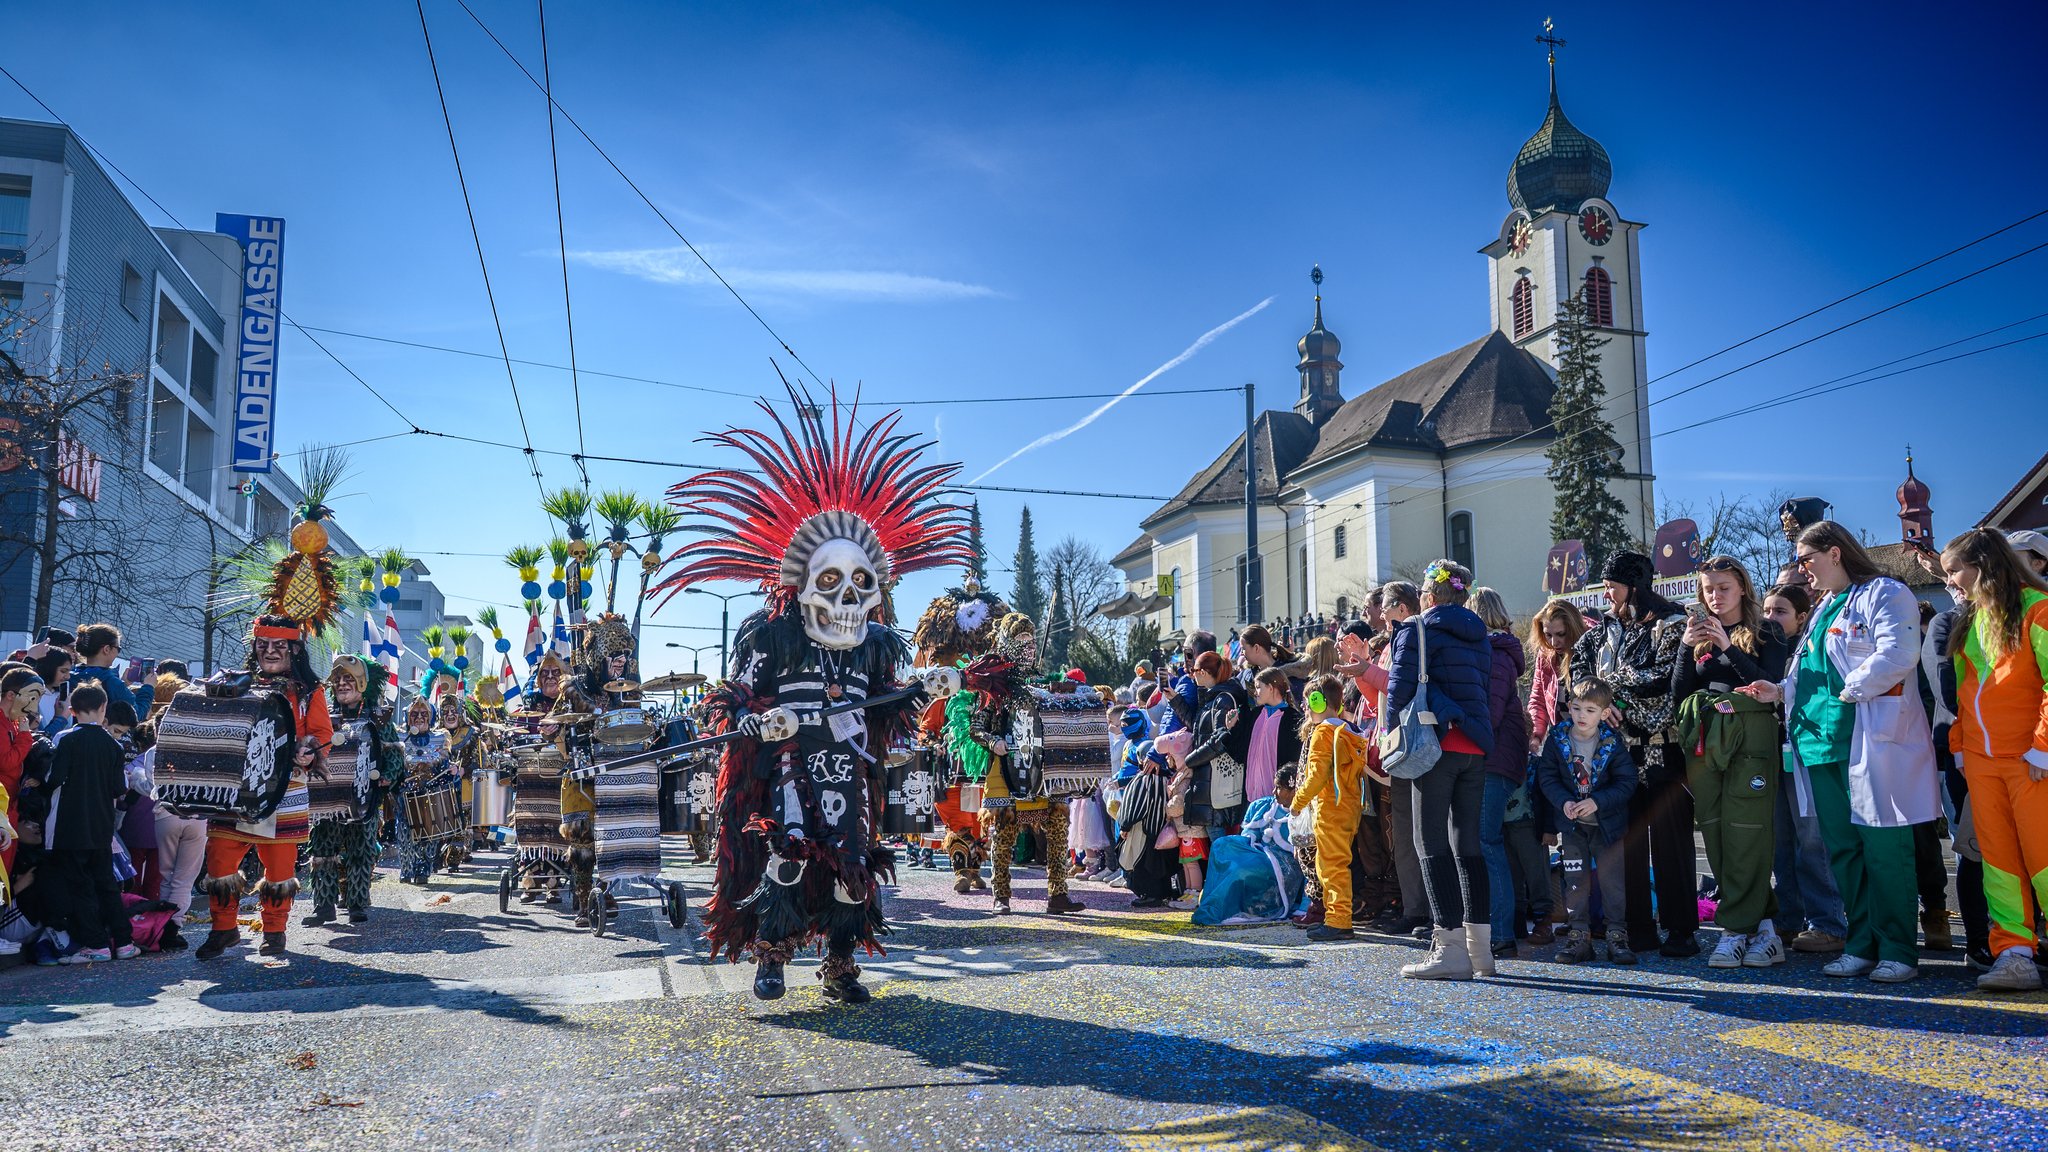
{"x":227,"y":756}
{"x":699,"y":795}
{"x":910,"y":794}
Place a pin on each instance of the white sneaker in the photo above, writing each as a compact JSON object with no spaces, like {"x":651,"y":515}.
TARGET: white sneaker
{"x":1894,"y":972}
{"x":9,"y":948}
{"x":2011,"y":972}
{"x":1847,"y":965}
{"x":1118,"y":881}
{"x":1765,"y":949}
{"x":1728,"y":953}
{"x":1187,"y":903}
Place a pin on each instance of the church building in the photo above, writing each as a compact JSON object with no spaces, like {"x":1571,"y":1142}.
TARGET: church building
{"x":1444,"y":459}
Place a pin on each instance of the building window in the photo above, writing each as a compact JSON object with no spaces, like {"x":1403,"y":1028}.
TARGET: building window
{"x":184,"y":439}
{"x":166,"y":430}
{"x":132,"y":295}
{"x":1343,"y":607}
{"x":1304,"y":575}
{"x":13,"y":218}
{"x":173,"y":341}
{"x":1338,"y":543}
{"x":1524,"y":300}
{"x":411,"y":605}
{"x":205,"y":367}
{"x":1461,"y":539}
{"x":1174,"y":611}
{"x":13,"y":326}
{"x":1599,"y":297}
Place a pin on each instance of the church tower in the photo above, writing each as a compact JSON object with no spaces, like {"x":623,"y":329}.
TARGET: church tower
{"x":1319,"y":365}
{"x":1563,"y":236}
{"x":1916,"y":513}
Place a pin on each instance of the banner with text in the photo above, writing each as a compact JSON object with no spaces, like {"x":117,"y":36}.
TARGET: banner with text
{"x":262,"y":241}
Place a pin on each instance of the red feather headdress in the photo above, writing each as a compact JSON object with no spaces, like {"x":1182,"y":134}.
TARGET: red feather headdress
{"x":814,"y":483}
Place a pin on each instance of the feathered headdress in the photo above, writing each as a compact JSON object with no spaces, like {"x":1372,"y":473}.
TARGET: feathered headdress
{"x":815,"y":483}
{"x":959,"y":622}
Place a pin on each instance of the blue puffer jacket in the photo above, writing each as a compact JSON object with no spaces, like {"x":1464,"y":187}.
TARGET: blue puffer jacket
{"x":1460,"y":672}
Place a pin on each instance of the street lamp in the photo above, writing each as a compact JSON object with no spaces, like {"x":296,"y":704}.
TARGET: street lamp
{"x":724,"y":614}
{"x":697,"y":653}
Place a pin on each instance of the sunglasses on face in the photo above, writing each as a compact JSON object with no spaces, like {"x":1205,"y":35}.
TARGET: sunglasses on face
{"x":1804,"y":559}
{"x":1722,"y":565}
{"x":272,"y":646}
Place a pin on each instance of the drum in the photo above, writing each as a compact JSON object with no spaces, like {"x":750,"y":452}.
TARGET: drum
{"x":226,"y":755}
{"x":537,"y":801}
{"x":699,"y":794}
{"x":910,"y":794}
{"x":492,"y":798}
{"x":627,"y":724}
{"x":345,"y":793}
{"x":436,"y":813}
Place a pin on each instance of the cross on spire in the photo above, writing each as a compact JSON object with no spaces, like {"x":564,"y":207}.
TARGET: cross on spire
{"x":1553,"y":43}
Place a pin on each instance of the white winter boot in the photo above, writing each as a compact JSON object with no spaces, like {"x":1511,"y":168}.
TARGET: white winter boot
{"x":1479,"y":948}
{"x":1448,"y":959}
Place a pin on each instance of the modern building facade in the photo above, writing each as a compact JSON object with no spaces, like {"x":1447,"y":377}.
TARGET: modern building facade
{"x":147,"y":322}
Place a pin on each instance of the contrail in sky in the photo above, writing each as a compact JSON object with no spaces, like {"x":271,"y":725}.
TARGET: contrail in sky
{"x":1200,"y":343}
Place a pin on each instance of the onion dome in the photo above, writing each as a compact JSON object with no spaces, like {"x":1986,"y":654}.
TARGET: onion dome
{"x":1560,"y":167}
{"x":1320,"y":344}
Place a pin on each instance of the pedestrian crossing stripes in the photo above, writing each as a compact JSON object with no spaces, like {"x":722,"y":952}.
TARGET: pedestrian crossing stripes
{"x":1932,"y":1061}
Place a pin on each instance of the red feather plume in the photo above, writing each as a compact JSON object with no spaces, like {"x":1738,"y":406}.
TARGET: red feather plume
{"x":750,"y":517}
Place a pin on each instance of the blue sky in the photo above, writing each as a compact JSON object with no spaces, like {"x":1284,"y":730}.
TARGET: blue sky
{"x":935,"y":202}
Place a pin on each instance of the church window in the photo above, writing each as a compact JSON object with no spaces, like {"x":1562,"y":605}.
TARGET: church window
{"x":1524,"y":300}
{"x":1461,"y":538}
{"x":1175,"y":617}
{"x":1337,"y":542}
{"x":1599,"y":297}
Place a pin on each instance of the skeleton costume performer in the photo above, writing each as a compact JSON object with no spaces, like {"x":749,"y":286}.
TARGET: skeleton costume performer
{"x":833,"y":517}
{"x":341,"y":852}
{"x":958,"y":626}
{"x":1003,"y":724}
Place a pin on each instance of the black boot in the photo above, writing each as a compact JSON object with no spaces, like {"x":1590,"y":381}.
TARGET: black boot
{"x":768,"y":984}
{"x":358,"y":914}
{"x":321,"y":914}
{"x":218,"y":941}
{"x":846,"y":990}
{"x":273,"y":944}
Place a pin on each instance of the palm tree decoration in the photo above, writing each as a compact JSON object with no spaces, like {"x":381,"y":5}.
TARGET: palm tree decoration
{"x":617,"y":510}
{"x":394,"y":562}
{"x":657,"y":521}
{"x":488,"y":617}
{"x":525,"y":559}
{"x":458,"y":645}
{"x":558,"y":551}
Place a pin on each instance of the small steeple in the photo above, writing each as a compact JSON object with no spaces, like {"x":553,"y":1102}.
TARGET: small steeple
{"x":1560,"y":167}
{"x":1319,"y":366}
{"x":1916,"y":515}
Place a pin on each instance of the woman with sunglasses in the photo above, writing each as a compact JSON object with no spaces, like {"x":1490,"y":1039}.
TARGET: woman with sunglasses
{"x":1860,"y":746}
{"x":1732,"y":760}
{"x":2000,"y":648}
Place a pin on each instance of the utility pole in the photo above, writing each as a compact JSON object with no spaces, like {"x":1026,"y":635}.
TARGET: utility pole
{"x":1253,"y":594}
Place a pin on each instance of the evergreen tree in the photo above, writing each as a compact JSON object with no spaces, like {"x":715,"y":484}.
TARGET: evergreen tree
{"x":1585,"y":455}
{"x":1028,"y":596}
{"x":978,"y":566}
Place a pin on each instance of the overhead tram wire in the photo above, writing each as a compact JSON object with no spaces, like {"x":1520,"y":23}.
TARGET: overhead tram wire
{"x":532,"y":464}
{"x":103,"y":158}
{"x":644,"y":197}
{"x":561,"y":237}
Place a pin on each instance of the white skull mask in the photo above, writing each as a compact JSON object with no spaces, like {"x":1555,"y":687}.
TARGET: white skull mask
{"x":841,"y":588}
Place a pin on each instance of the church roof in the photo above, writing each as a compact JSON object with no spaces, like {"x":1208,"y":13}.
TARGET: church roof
{"x":1560,"y":166}
{"x":1135,"y":550}
{"x":1485,"y":391}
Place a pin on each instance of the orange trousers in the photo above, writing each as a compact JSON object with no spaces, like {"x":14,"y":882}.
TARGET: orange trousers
{"x":224,"y":858}
{"x":2010,"y":811}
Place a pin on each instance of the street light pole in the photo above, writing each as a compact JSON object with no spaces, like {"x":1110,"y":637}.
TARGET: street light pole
{"x":724,"y":617}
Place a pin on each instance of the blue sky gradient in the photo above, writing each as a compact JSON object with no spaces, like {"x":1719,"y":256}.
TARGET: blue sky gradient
{"x":935,"y":203}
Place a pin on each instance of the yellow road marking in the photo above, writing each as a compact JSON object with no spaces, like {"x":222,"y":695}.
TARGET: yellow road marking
{"x":1630,"y":1108}
{"x":1273,"y":1129}
{"x":1912,"y":1057}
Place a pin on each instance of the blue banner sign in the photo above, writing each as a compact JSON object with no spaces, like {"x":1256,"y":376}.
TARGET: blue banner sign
{"x":262,"y":241}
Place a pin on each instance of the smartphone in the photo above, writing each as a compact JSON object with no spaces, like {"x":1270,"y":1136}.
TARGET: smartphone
{"x":1696,"y":610}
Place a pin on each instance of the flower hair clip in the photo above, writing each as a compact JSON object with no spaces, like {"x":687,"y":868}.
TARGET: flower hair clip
{"x":1439,"y":575}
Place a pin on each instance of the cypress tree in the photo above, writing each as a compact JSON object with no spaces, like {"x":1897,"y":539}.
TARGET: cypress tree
{"x":1585,"y":455}
{"x":1028,"y":596}
{"x":978,"y":566}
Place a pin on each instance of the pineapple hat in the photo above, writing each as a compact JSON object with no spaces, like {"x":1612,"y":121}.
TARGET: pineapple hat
{"x":303,"y":583}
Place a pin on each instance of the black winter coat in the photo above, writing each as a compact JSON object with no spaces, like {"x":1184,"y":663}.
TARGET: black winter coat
{"x":1460,"y":673}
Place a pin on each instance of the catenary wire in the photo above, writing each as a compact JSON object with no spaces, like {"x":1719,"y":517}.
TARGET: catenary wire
{"x":561,"y":233}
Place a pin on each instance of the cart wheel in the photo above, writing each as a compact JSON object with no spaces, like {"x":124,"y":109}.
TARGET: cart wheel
{"x":678,"y":906}
{"x":594,"y":904}
{"x":505,"y":891}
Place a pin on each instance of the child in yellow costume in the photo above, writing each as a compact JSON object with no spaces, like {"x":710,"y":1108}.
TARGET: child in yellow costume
{"x":1334,"y":782}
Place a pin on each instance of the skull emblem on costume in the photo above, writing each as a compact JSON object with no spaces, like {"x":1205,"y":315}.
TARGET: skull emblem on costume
{"x":841,"y":589}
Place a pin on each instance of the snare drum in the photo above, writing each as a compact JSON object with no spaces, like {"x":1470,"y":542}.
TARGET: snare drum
{"x":436,"y":813}
{"x":626,"y":724}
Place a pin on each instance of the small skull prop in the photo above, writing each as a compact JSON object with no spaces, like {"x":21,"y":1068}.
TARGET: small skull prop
{"x":841,"y":588}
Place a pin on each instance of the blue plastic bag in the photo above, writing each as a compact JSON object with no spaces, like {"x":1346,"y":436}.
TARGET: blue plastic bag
{"x":1247,"y":884}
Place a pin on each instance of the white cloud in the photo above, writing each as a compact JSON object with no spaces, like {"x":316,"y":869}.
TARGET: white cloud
{"x":678,"y":266}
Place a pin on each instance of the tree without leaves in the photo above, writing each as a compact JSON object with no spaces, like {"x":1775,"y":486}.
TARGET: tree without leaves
{"x":1028,"y":596}
{"x":1745,"y":527}
{"x":1585,"y":455}
{"x":1080,"y":581}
